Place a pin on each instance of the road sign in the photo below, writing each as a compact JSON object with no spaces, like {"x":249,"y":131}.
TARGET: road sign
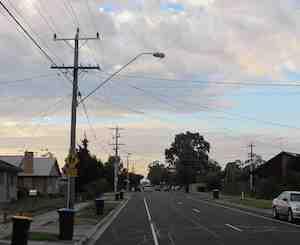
{"x":71,"y":166}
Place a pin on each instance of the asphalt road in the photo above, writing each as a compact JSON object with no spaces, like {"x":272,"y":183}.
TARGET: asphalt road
{"x":178,"y":218}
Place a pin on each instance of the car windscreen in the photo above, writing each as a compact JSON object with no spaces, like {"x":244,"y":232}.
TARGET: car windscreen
{"x":295,"y":197}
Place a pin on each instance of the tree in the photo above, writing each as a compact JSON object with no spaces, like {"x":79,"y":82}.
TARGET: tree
{"x":157,"y":173}
{"x":89,"y":167}
{"x":189,"y":154}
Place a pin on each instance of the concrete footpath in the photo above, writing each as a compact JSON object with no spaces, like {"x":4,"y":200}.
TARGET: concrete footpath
{"x":84,"y":228}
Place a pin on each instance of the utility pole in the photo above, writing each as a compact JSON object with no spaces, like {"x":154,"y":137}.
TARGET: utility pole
{"x":75,"y":68}
{"x":127,"y":182}
{"x":116,"y":145}
{"x":251,"y":168}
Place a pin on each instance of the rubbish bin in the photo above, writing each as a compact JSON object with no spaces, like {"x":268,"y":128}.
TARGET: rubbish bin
{"x":117,"y":196}
{"x":99,"y":202}
{"x":21,"y":225}
{"x":216,"y":194}
{"x":66,"y":223}
{"x":121,"y":195}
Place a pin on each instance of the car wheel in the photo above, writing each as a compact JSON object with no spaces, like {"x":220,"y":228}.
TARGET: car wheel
{"x":290,"y":216}
{"x":275,"y":213}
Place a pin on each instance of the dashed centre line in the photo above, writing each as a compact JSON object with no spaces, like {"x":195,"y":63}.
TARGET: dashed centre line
{"x":196,"y":210}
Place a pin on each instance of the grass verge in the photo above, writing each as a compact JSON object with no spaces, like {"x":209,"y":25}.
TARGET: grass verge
{"x":88,"y":215}
{"x":252,"y":202}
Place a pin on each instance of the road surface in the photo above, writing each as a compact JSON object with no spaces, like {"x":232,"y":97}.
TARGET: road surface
{"x":187,"y":219}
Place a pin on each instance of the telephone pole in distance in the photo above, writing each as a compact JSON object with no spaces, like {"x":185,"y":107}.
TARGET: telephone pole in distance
{"x":116,"y":145}
{"x":251,"y":167}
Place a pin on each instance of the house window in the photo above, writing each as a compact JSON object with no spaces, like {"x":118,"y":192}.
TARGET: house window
{"x":1,"y":178}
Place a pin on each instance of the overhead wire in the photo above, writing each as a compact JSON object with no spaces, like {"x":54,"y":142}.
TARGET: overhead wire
{"x":287,"y":83}
{"x":11,"y":82}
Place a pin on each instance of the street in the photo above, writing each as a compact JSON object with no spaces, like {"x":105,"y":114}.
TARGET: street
{"x":179,"y":218}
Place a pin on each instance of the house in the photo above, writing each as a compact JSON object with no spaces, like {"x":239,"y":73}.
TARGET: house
{"x":280,"y":166}
{"x":39,"y":173}
{"x":8,"y":181}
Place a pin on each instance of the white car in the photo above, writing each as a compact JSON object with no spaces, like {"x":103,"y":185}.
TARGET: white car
{"x":148,"y":188}
{"x":287,"y":204}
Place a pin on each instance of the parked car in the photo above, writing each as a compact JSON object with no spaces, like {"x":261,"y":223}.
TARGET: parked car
{"x":148,"y":188}
{"x":157,"y":188}
{"x":287,"y":204}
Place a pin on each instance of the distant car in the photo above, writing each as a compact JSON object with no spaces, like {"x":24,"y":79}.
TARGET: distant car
{"x":287,"y":204}
{"x":167,"y":188}
{"x":157,"y":188}
{"x":148,"y":188}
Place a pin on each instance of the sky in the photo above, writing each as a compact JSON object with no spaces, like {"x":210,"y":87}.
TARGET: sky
{"x":231,"y":73}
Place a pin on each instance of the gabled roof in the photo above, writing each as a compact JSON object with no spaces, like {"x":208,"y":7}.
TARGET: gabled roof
{"x":285,"y":153}
{"x":9,"y":167}
{"x":42,"y":166}
{"x":13,"y":160}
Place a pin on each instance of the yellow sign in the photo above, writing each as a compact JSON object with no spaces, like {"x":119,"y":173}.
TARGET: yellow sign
{"x":70,"y":167}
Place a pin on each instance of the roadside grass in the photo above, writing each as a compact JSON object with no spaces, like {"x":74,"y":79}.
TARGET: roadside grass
{"x":252,"y":202}
{"x":32,"y":206}
{"x":39,"y":236}
{"x":88,"y":215}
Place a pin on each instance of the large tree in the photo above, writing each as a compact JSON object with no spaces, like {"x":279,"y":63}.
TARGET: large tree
{"x":89,"y":167}
{"x":189,"y":154}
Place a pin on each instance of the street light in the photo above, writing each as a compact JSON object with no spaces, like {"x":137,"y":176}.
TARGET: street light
{"x":158,"y":55}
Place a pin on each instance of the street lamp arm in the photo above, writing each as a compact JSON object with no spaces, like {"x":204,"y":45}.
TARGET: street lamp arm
{"x":157,"y":55}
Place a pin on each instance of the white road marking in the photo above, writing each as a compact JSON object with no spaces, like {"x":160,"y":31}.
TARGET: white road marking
{"x":105,"y":223}
{"x":244,"y":212}
{"x":234,"y":228}
{"x":196,"y":210}
{"x":151,"y":223}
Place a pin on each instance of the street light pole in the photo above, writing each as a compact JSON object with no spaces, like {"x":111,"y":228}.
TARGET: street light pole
{"x":156,"y":55}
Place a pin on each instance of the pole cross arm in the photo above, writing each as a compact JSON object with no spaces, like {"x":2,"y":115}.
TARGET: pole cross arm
{"x":79,"y":67}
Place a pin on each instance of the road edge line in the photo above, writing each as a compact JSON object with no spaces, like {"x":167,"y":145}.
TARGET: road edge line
{"x":101,"y":227}
{"x":151,"y":223}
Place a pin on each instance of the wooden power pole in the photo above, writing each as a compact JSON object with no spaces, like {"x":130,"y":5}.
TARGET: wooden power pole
{"x":72,"y":152}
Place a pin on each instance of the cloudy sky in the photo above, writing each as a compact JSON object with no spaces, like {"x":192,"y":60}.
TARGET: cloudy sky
{"x":231,"y":72}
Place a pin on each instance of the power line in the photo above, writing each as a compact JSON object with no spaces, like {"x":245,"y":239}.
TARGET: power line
{"x":73,"y":13}
{"x":27,"y":33}
{"x":231,"y":83}
{"x":222,"y":111}
{"x":11,"y":82}
{"x":91,"y":15}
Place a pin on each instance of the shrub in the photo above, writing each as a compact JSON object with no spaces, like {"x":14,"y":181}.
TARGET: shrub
{"x":95,"y":188}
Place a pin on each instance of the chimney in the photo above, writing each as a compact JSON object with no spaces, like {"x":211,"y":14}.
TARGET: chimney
{"x":28,"y":162}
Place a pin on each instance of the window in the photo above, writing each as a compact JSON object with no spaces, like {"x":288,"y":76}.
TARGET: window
{"x":295,"y":197}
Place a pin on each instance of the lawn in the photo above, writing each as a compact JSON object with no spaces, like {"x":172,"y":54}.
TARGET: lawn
{"x":253,"y":202}
{"x":33,"y":206}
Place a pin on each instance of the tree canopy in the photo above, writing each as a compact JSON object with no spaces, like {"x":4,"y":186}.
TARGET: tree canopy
{"x":189,"y":155}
